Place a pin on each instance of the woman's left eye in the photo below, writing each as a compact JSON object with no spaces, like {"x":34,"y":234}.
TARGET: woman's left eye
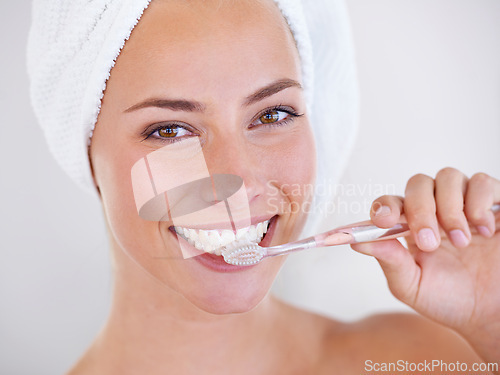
{"x":275,"y":116}
{"x":272,"y":117}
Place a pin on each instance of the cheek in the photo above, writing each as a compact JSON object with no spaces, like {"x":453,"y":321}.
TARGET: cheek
{"x":294,"y":164}
{"x":112,"y":169}
{"x":294,"y":173}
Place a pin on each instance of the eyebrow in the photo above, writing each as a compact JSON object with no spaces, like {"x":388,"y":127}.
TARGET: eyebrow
{"x":270,"y":90}
{"x":194,"y":106}
{"x":173,"y":104}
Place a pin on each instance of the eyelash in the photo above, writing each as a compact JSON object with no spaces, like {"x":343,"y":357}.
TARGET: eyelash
{"x":292,"y":115}
{"x":149,"y":133}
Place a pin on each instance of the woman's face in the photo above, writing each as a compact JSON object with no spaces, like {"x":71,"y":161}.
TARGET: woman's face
{"x":226,"y":75}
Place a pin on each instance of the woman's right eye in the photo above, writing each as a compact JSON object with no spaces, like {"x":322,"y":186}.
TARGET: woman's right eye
{"x":170,"y":133}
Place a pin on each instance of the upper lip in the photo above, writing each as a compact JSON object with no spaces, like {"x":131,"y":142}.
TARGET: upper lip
{"x":227,"y":225}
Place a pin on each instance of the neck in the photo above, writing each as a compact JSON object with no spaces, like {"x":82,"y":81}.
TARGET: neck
{"x":150,"y":323}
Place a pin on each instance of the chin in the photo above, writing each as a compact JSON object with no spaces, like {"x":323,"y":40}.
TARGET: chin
{"x":222,"y":303}
{"x":235,"y":296}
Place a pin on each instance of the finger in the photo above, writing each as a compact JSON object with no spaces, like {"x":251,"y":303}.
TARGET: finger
{"x":400,"y":269}
{"x":420,"y":211}
{"x":449,"y":195}
{"x":386,"y":210}
{"x":482,"y":192}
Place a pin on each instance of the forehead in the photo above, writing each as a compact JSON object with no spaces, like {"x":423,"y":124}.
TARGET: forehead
{"x":204,"y":44}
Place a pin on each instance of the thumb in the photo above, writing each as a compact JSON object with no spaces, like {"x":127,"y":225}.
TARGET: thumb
{"x":399,"y":266}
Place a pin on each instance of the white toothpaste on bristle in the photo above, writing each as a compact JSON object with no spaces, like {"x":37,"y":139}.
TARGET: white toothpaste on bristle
{"x":243,"y":253}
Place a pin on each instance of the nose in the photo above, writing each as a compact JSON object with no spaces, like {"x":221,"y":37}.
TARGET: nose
{"x":233,"y":156}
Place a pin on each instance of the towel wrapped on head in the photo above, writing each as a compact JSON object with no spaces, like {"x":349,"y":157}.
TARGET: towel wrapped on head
{"x":73,"y":46}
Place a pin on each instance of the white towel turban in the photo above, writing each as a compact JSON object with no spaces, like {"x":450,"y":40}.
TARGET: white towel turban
{"x":74,"y":44}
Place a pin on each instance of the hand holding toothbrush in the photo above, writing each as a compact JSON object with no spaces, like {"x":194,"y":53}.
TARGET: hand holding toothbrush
{"x":450,"y":272}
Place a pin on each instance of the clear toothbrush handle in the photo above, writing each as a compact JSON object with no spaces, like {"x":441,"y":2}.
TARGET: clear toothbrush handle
{"x":365,"y":231}
{"x":370,"y":232}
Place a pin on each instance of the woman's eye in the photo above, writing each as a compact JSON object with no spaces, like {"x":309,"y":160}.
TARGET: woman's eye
{"x":170,"y":132}
{"x":273,"y":116}
{"x":276,"y":116}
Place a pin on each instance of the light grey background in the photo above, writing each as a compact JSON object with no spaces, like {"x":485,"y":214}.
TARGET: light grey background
{"x":429,"y":74}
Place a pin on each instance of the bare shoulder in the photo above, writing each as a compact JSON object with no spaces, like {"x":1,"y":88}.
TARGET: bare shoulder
{"x":88,"y":364}
{"x":388,"y":338}
{"x":82,"y":367}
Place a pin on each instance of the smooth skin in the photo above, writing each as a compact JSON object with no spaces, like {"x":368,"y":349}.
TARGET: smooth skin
{"x":177,"y":317}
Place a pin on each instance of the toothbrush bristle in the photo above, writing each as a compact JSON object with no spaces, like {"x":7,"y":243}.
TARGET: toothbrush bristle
{"x":243,"y":253}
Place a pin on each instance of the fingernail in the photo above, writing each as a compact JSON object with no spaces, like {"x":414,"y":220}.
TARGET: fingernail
{"x":426,"y":239}
{"x":484,"y":231}
{"x":458,"y":238}
{"x":383,"y":211}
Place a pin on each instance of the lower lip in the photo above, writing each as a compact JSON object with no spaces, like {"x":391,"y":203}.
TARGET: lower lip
{"x":216,"y":263}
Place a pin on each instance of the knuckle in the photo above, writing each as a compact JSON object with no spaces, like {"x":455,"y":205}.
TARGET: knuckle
{"x":448,"y":172}
{"x":481,"y":179}
{"x":417,"y":179}
{"x":420,"y":206}
{"x":451,"y":219}
{"x":383,"y":198}
{"x":419,"y":215}
{"x":474,"y":214}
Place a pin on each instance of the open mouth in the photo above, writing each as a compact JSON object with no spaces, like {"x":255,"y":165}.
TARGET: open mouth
{"x":212,"y":241}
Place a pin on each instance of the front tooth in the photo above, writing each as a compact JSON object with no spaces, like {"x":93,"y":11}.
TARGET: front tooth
{"x":241,"y":232}
{"x":227,"y":236}
{"x":265,"y":226}
{"x":248,"y":238}
{"x":252,"y":233}
{"x":186,"y":232}
{"x":214,"y":239}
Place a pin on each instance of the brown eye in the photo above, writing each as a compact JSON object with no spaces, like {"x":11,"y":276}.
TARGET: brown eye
{"x":168,"y":132}
{"x":270,"y":117}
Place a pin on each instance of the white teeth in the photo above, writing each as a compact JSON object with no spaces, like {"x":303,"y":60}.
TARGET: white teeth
{"x":241,"y":232}
{"x":252,"y":230}
{"x":252,"y":233}
{"x":260,"y":230}
{"x":203,"y":236}
{"x":226,"y":237}
{"x":193,"y":235}
{"x":214,"y":238}
{"x":213,"y":241}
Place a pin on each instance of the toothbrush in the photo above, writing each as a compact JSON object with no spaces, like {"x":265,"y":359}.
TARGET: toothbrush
{"x":244,"y":253}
